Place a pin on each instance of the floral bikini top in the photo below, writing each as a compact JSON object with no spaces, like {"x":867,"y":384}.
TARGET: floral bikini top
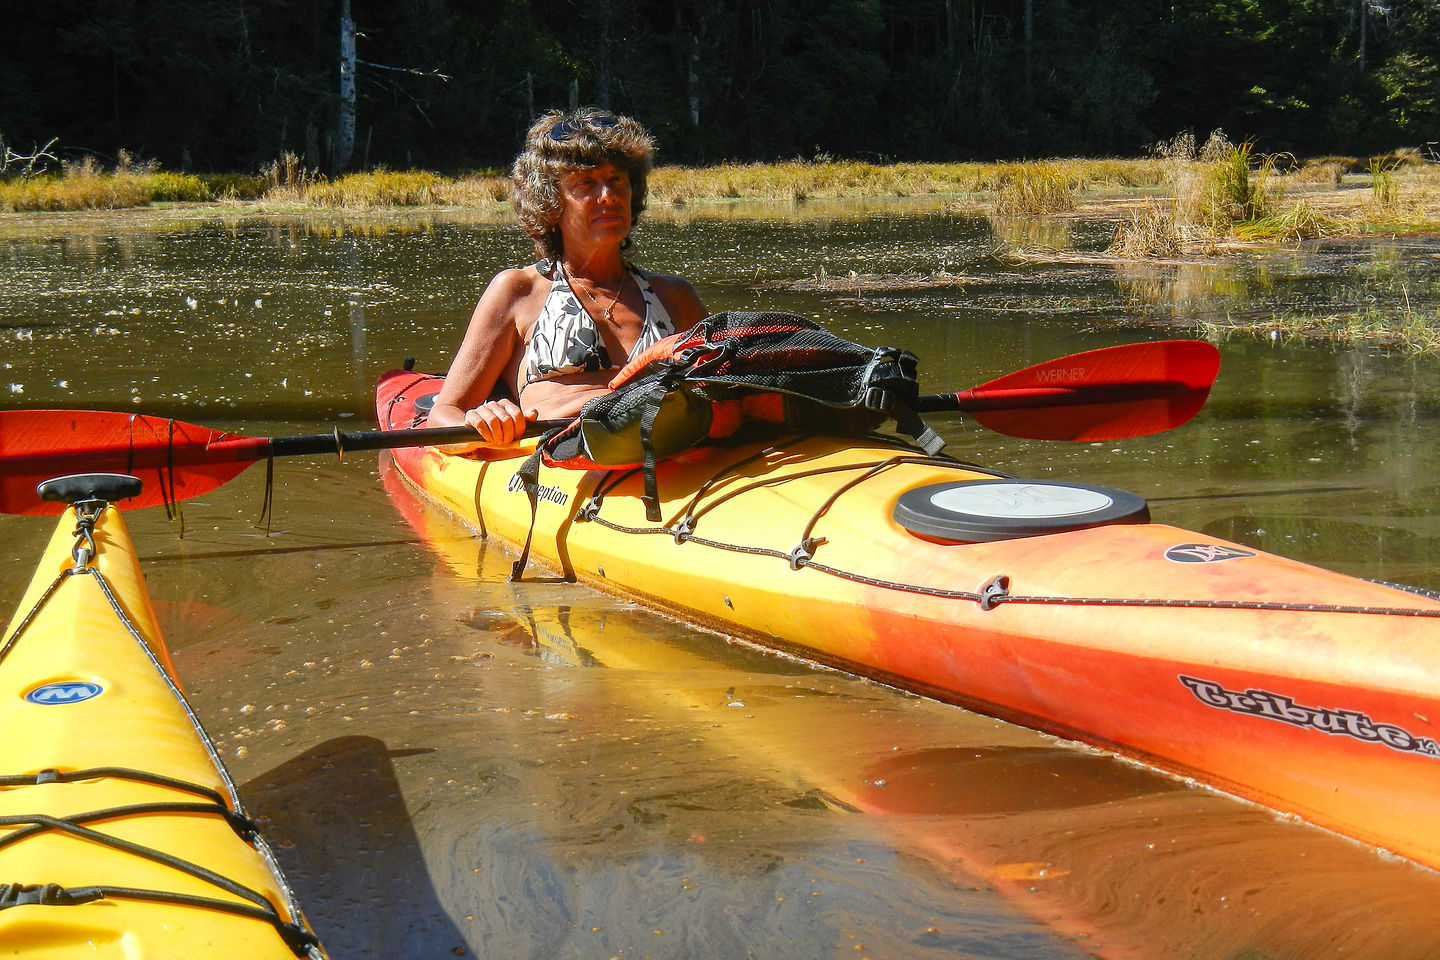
{"x":565,"y":340}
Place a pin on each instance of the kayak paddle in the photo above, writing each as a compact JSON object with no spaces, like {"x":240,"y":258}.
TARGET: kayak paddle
{"x":1106,"y":394}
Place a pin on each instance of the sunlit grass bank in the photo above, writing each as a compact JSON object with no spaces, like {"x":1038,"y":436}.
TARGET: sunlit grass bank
{"x":1181,"y":201}
{"x":1043,"y":187}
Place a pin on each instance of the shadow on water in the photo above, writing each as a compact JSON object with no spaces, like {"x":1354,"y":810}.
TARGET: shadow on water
{"x":351,"y":851}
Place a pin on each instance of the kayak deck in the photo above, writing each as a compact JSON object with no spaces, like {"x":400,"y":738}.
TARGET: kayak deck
{"x":1312,"y":692}
{"x":121,"y":833}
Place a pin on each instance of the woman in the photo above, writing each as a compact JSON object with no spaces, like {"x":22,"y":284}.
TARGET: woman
{"x":553,"y":334}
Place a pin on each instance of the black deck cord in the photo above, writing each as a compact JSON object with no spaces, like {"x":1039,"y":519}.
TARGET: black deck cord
{"x":301,"y":941}
{"x":243,"y":826}
{"x":995,"y":592}
{"x":109,"y":773}
{"x":529,"y":477}
{"x":267,"y":503}
{"x":293,"y":938}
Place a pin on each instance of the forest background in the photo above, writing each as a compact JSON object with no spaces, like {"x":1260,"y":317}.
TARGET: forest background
{"x":228,"y":85}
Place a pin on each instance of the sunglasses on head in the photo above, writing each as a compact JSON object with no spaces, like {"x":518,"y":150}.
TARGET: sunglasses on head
{"x":567,"y":129}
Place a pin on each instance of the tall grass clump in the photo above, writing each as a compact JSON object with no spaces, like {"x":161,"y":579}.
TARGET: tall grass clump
{"x":233,"y":187}
{"x":1235,"y":189}
{"x":1384,"y":183}
{"x":1035,"y":189}
{"x":480,"y":189}
{"x":1324,"y":171}
{"x":287,"y":178}
{"x":1149,"y":234}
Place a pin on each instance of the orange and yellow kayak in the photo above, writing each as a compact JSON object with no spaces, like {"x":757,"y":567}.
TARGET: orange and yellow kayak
{"x":1058,"y":606}
{"x":121,"y":832}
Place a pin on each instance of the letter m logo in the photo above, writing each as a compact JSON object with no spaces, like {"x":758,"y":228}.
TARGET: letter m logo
{"x":64,"y":692}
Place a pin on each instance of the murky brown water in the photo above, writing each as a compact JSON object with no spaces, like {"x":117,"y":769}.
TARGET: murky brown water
{"x":461,"y":766}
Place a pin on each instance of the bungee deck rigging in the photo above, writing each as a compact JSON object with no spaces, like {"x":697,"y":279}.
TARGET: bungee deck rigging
{"x":994,"y":592}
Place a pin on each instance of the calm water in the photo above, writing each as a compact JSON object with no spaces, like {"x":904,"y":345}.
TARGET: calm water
{"x":456,"y":765}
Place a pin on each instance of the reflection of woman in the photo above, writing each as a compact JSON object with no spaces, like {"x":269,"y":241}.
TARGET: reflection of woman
{"x":552,"y":334}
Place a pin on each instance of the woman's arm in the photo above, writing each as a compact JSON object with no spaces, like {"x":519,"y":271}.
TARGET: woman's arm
{"x":486,"y":355}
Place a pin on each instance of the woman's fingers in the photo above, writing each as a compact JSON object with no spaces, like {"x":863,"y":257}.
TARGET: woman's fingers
{"x":499,"y":422}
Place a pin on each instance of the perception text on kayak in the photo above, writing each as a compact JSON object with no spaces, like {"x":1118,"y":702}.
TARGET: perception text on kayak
{"x":1275,"y":706}
{"x":543,"y":492}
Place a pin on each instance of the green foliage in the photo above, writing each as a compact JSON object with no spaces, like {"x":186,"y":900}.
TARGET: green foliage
{"x":1411,"y":83}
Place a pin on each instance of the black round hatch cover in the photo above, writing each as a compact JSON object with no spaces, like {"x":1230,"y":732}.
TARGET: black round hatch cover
{"x":974,"y":511}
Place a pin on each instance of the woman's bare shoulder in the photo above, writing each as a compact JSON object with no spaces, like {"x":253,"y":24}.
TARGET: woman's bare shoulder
{"x":507,"y":296}
{"x":515,"y":283}
{"x":679,"y":296}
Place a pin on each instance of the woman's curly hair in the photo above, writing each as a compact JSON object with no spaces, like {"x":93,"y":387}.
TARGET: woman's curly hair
{"x":590,"y":137}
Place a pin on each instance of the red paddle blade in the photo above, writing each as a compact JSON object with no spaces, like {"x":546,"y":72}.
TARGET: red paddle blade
{"x":175,"y":460}
{"x":1108,"y":394}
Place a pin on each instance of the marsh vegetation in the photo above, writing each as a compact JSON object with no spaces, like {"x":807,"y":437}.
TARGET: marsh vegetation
{"x":1181,"y":203}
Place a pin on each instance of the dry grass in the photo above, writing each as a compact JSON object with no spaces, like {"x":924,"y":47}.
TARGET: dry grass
{"x":1213,"y":194}
{"x":1413,"y":331}
{"x":84,"y":185}
{"x":1150,"y":234}
{"x":1036,"y":189}
{"x":1224,"y":192}
{"x":807,"y":180}
{"x":1324,"y":171}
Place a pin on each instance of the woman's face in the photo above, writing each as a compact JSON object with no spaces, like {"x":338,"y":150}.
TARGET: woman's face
{"x":595,"y":205}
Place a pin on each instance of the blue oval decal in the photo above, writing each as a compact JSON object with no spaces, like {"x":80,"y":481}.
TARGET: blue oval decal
{"x":64,"y":692}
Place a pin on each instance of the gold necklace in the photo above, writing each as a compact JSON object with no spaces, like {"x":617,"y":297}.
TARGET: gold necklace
{"x":606,"y":312}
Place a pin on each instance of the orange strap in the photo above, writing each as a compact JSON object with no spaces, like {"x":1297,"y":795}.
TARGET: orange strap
{"x":658,"y":350}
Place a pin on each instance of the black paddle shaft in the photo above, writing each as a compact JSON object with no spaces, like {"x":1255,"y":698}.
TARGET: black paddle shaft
{"x":338,"y":442}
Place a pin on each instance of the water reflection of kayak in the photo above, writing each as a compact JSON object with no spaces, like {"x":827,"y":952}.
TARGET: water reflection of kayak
{"x":121,"y":832}
{"x":1056,"y":606}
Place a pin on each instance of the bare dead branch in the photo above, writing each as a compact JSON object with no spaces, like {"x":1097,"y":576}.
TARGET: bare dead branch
{"x":414,"y":72}
{"x":26,"y":162}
